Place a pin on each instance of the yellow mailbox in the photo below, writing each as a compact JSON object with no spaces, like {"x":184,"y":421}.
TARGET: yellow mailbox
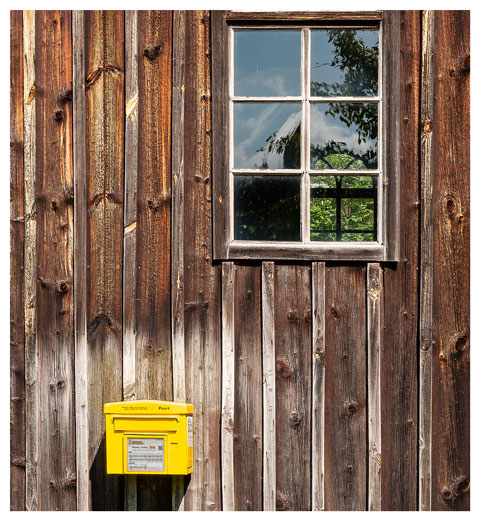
{"x":149,"y":437}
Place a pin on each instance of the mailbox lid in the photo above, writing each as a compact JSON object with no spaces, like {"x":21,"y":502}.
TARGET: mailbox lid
{"x":148,"y":407}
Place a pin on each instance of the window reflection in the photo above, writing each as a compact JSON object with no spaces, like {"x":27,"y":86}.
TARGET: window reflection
{"x":343,"y":208}
{"x":267,"y":208}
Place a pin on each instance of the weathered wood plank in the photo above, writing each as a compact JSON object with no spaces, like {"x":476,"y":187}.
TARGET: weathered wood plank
{"x":374,"y":299}
{"x":268,"y":364}
{"x":345,"y":389}
{"x":247,"y":438}
{"x":450,"y":478}
{"x":304,"y":16}
{"x":154,"y":379}
{"x":79,"y":262}
{"x":202,"y":281}
{"x":130,"y":228}
{"x":104,"y":84}
{"x":30,"y":259}
{"x":228,"y":386}
{"x":221,"y":195}
{"x":426,"y":265}
{"x":54,"y":312}
{"x":177,"y":270}
{"x":318,"y":386}
{"x":399,"y":359}
{"x":17,"y":237}
{"x":293,"y":386}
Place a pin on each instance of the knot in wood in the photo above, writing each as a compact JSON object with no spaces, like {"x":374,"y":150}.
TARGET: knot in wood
{"x":351,"y":408}
{"x":54,"y":205}
{"x":152,"y":53}
{"x":283,"y":368}
{"x":295,"y":418}
{"x":66,"y":94}
{"x":427,"y":125}
{"x":308,"y":316}
{"x":292,"y":315}
{"x":334,"y":312}
{"x":58,"y":115}
{"x":62,"y":286}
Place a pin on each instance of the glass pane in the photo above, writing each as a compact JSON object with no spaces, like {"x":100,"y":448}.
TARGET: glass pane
{"x":344,"y":62}
{"x":343,"y":208}
{"x":267,"y":208}
{"x":343,"y":136}
{"x":267,"y":63}
{"x":267,"y":135}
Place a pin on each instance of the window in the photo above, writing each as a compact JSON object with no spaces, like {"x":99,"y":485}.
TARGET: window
{"x":300,"y":162}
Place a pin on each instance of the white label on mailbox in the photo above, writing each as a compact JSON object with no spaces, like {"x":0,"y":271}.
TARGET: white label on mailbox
{"x":145,"y":455}
{"x":190,"y":430}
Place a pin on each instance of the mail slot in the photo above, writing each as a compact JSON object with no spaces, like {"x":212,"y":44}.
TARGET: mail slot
{"x":149,"y":437}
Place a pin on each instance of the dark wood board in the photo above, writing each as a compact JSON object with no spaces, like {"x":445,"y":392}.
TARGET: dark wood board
{"x":247,"y":441}
{"x":201,"y":278}
{"x":154,"y":379}
{"x":17,"y":236}
{"x":399,"y":353}
{"x":104,"y":84}
{"x":345,"y":388}
{"x":451,"y":234}
{"x":54,"y":307}
{"x":293,"y":317}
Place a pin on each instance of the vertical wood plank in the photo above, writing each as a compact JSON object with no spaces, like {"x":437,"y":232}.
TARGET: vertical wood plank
{"x":318,"y":386}
{"x":450,"y":349}
{"x":17,"y":244}
{"x":426,"y":265}
{"x":247,"y":434}
{"x":79,"y":262}
{"x":30,"y":273}
{"x":129,"y":227}
{"x":104,"y":85}
{"x":54,"y":312}
{"x":228,"y":386}
{"x":154,"y":379}
{"x":202,"y":280}
{"x":178,"y":301}
{"x":293,"y":386}
{"x":399,"y":359}
{"x":345,"y":389}
{"x":374,"y":299}
{"x":268,"y":364}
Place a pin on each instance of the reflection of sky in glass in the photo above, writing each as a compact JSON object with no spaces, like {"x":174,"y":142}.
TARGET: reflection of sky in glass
{"x":254,"y":123}
{"x":322,"y":54}
{"x":325,"y":128}
{"x":267,"y":63}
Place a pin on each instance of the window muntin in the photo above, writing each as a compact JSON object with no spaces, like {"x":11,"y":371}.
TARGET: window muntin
{"x":332,"y":127}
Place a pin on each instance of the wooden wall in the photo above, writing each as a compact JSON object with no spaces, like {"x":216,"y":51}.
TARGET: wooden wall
{"x":317,"y":386}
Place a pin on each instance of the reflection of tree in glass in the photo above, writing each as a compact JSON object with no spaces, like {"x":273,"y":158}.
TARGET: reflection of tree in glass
{"x":359,"y":63}
{"x":267,"y":208}
{"x":288,"y":145}
{"x":337,"y":150}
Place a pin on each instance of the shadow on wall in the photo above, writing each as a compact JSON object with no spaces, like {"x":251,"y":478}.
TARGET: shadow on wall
{"x":109,"y":491}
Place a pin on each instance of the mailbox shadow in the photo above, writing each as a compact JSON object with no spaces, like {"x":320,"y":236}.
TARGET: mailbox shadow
{"x":153,"y":493}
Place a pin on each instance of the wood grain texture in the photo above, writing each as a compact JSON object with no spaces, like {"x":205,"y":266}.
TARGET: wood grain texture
{"x":450,"y":478}
{"x":426,"y":264}
{"x":228,"y":386}
{"x":375,"y":307}
{"x":130,"y":228}
{"x":79,"y":262}
{"x":177,"y":269}
{"x":303,"y":16}
{"x":399,"y":356}
{"x":104,"y":85}
{"x":345,"y":389}
{"x":54,"y":311}
{"x":221,"y":195}
{"x":247,"y":438}
{"x":293,"y":386}
{"x":17,"y":244}
{"x":201,"y":279}
{"x":154,"y":379}
{"x":30,"y":260}
{"x":269,"y":372}
{"x":318,"y":386}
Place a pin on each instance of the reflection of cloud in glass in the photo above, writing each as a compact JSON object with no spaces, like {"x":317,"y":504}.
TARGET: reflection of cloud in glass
{"x":325,"y":128}
{"x":266,"y":62}
{"x":254,"y":124}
